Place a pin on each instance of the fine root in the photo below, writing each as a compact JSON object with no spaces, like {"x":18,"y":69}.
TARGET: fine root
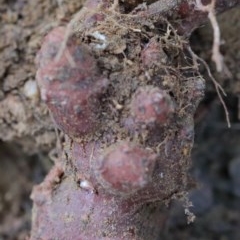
{"x":220,"y":91}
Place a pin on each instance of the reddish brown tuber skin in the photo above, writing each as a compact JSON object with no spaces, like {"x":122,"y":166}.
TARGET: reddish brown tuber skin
{"x":112,"y":184}
{"x":82,"y":215}
{"x":69,"y":84}
{"x":151,"y":105}
{"x":125,"y":168}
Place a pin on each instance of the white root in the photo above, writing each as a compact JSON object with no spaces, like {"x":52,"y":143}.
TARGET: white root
{"x":216,"y":54}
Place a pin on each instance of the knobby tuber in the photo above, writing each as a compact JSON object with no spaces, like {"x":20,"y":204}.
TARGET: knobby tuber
{"x":123,"y":90}
{"x":125,"y":168}
{"x":58,"y":81}
{"x":151,"y":105}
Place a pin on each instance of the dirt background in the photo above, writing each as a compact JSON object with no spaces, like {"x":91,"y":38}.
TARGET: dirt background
{"x":25,"y":159}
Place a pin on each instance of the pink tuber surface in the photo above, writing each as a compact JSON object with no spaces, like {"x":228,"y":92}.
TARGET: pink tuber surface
{"x":151,"y":105}
{"x":125,"y":168}
{"x":125,"y":98}
{"x":74,"y":74}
